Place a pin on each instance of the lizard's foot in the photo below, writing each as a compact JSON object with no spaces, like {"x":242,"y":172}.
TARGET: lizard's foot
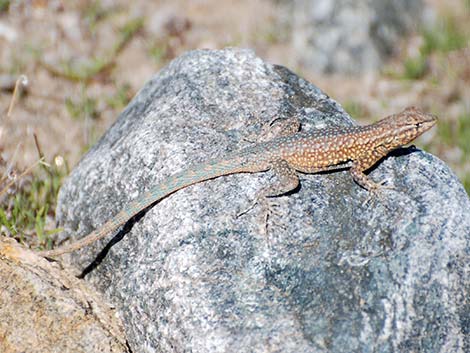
{"x":249,"y":208}
{"x":262,"y":201}
{"x":376,"y":190}
{"x":269,"y":208}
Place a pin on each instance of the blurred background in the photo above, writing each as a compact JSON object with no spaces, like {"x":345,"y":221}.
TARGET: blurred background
{"x":68,"y":68}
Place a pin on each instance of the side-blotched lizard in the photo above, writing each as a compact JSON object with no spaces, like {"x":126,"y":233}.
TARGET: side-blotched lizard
{"x":357,"y":148}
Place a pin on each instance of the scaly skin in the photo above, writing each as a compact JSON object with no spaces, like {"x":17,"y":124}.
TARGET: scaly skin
{"x":358,"y":148}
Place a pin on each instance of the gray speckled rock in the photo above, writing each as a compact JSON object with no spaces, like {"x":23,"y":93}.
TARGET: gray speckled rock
{"x":350,"y":36}
{"x":335,"y":274}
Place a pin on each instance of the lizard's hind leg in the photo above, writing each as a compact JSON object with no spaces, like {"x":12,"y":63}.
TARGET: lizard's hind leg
{"x":287,"y":181}
{"x":280,"y":127}
{"x":285,"y":127}
{"x":277,"y":127}
{"x":287,"y":177}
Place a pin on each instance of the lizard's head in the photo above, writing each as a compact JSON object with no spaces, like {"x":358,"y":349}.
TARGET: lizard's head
{"x":404,"y":127}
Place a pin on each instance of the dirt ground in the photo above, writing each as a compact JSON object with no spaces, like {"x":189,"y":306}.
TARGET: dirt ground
{"x":84,"y":61}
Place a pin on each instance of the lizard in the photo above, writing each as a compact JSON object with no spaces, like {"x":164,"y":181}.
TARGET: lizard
{"x":357,"y":148}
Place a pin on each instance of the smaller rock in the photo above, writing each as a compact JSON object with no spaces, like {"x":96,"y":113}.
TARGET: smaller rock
{"x":44,"y":308}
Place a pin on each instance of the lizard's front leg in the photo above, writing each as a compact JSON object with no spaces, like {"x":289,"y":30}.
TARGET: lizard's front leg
{"x":364,"y":162}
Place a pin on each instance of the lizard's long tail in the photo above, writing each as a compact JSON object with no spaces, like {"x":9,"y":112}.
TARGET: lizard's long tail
{"x":213,"y":169}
